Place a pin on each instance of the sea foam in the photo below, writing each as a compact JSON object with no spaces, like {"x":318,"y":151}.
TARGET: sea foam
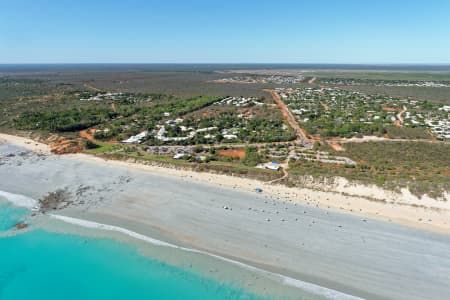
{"x":305,"y":286}
{"x":19,"y":200}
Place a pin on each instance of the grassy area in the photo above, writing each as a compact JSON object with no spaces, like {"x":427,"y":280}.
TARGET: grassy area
{"x":396,"y":132}
{"x":421,"y":166}
{"x":105,"y":148}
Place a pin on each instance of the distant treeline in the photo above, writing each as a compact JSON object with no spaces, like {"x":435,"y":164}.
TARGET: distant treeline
{"x":76,"y":119}
{"x":67,"y":120}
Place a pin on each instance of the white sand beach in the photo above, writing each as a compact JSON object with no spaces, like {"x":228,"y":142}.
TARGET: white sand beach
{"x":361,"y":200}
{"x":336,"y":239}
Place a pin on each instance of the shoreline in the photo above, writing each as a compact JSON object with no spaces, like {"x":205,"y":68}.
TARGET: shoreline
{"x":287,"y":231}
{"x":227,"y":273}
{"x":389,"y":206}
{"x":283,"y":279}
{"x":110,"y":231}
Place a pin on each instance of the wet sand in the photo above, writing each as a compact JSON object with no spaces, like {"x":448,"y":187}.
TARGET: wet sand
{"x":359,"y":256}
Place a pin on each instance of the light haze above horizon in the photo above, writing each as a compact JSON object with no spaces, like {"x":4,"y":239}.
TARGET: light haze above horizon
{"x":200,"y":31}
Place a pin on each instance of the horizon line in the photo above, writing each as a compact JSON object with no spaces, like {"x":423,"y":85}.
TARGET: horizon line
{"x":228,"y":63}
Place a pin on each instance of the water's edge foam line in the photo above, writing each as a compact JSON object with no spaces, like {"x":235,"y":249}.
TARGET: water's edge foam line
{"x":30,"y":203}
{"x":19,"y":200}
{"x":306,"y":286}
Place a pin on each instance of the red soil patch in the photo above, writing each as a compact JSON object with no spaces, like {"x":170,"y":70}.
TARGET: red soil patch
{"x":66,"y":146}
{"x":53,"y":137}
{"x":88,"y":134}
{"x":240,"y":153}
{"x":206,"y":114}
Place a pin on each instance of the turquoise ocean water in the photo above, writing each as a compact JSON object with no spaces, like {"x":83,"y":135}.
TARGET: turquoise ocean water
{"x":38,"y":264}
{"x":10,"y":215}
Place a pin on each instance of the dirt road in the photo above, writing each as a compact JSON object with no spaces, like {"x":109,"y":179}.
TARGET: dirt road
{"x":400,"y":115}
{"x":290,"y":118}
{"x":326,"y":107}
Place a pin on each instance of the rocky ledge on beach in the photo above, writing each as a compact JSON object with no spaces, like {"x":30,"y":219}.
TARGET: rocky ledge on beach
{"x":21,"y":225}
{"x":56,"y":200}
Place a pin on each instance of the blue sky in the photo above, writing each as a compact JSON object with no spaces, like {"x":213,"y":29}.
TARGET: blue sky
{"x":228,"y":31}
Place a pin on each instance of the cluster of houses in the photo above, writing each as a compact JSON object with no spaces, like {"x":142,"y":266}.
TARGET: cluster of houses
{"x":102,"y":96}
{"x":275,"y":153}
{"x":350,"y":106}
{"x":111,"y":96}
{"x":174,"y":150}
{"x":445,"y":108}
{"x":388,"y":83}
{"x":208,"y":132}
{"x":341,"y":106}
{"x":240,"y":101}
{"x":136,"y":139}
{"x":177,"y":152}
{"x":160,"y":132}
{"x":231,"y":125}
{"x":441,"y":129}
{"x":273,"y":79}
{"x":227,"y":134}
{"x":191,"y":133}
